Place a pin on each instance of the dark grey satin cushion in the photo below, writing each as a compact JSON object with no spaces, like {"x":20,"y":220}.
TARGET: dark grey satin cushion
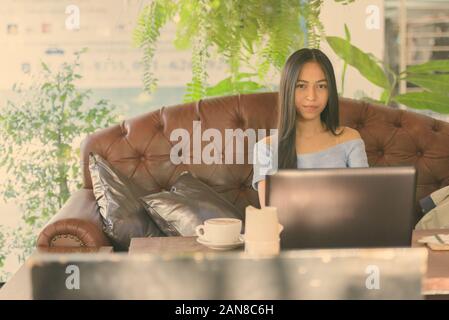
{"x":188,"y":204}
{"x":123,"y":215}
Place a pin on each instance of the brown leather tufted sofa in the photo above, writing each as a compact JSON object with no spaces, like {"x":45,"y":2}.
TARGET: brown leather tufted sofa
{"x":140,"y":148}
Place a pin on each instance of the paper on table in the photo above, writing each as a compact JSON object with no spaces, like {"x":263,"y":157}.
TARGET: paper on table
{"x":436,"y":242}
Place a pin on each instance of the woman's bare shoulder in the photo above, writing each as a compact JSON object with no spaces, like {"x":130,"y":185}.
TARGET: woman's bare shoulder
{"x":348,"y":134}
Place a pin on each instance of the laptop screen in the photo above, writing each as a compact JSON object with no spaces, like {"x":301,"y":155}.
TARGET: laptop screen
{"x":341,"y":208}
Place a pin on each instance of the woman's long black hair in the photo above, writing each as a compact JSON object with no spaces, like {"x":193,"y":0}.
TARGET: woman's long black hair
{"x":287,"y":158}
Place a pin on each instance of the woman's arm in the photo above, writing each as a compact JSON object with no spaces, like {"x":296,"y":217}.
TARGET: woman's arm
{"x":261,"y":191}
{"x":357,"y":157}
{"x":263,"y":165}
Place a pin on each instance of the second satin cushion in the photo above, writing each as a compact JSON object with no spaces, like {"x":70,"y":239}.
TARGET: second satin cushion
{"x":188,"y":204}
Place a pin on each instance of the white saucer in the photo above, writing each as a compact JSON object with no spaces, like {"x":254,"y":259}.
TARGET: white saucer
{"x":219,"y":246}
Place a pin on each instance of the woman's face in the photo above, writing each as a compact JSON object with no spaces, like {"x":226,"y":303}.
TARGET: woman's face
{"x":311,"y":92}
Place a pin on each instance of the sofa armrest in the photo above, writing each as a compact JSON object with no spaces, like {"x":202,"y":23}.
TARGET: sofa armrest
{"x":77,"y":224}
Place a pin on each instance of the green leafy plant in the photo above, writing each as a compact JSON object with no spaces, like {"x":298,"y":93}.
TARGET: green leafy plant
{"x":344,"y":2}
{"x":315,"y":29}
{"x":40,"y":132}
{"x":432,"y":77}
{"x":253,"y":37}
{"x":345,"y":64}
{"x":3,"y":252}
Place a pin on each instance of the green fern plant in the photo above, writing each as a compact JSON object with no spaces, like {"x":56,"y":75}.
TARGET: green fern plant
{"x":252,"y":35}
{"x":150,"y":21}
{"x":314,"y":26}
{"x":196,"y":89}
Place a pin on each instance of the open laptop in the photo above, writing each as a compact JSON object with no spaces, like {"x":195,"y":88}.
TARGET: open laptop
{"x":344,"y":207}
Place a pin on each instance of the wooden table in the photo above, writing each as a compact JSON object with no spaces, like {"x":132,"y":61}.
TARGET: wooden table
{"x":159,"y":245}
{"x":19,"y":286}
{"x":436,"y":281}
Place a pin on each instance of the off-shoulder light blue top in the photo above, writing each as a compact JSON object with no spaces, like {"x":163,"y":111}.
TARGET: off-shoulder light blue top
{"x":349,"y":154}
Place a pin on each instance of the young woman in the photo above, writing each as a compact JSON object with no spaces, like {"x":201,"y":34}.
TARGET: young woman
{"x":309,"y":135}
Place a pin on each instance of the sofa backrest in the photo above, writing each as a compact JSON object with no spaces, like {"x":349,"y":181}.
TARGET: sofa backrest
{"x":140,"y":147}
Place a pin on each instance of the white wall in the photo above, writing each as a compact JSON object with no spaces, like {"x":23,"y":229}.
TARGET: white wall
{"x":333,"y":17}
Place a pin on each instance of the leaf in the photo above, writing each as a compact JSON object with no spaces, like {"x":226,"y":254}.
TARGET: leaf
{"x":227,"y":86}
{"x":46,"y":86}
{"x":45,"y":66}
{"x":360,"y":60}
{"x":425,"y":101}
{"x":432,"y":82}
{"x":347,"y":33}
{"x":384,"y":96}
{"x":80,"y":52}
{"x":248,"y":86}
{"x":31,"y":220}
{"x":242,"y":75}
{"x":430,"y":67}
{"x":221,"y":87}
{"x":344,"y":2}
{"x":63,"y":97}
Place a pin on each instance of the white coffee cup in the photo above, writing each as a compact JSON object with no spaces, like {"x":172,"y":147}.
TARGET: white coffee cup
{"x":220,"y":230}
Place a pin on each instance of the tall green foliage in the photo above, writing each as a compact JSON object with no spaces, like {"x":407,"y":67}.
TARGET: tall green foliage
{"x":40,"y":131}
{"x":151,"y":19}
{"x":254,"y":35}
{"x":314,"y":26}
{"x":432,"y":77}
{"x":3,"y":252}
